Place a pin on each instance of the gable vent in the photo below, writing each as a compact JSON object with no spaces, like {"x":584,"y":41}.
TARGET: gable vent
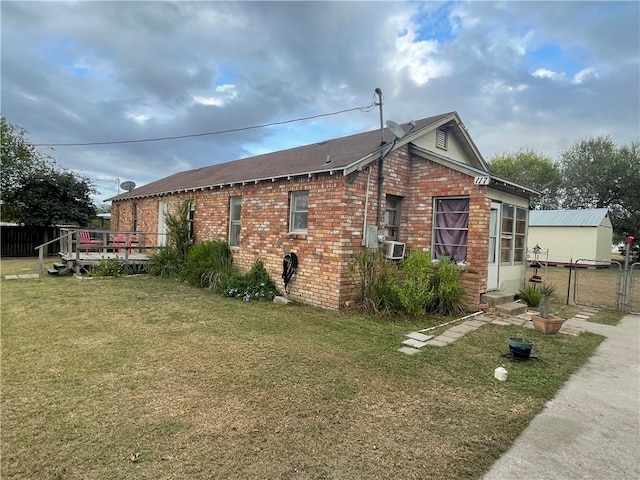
{"x":441,"y":138}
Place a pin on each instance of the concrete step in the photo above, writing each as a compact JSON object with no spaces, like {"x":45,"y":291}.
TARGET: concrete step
{"x":493,"y":299}
{"x":512,"y":308}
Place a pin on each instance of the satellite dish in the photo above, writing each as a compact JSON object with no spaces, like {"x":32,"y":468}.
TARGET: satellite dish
{"x":395,"y":129}
{"x":128,"y":186}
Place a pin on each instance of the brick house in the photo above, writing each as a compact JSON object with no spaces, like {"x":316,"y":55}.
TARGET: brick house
{"x":324,"y":203}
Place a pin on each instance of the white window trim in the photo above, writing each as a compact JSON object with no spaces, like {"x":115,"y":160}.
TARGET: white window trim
{"x":389,"y":228}
{"x":293,"y":213}
{"x":233,"y":221}
{"x":512,"y":234}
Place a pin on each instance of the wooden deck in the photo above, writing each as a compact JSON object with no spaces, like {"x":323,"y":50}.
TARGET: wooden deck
{"x":78,"y":254}
{"x":84,"y":259}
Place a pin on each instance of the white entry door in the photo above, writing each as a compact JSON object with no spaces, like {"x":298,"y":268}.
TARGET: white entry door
{"x":494,"y":248}
{"x":162,"y":224}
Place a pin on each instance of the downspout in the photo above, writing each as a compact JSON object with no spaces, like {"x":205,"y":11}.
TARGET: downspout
{"x":366,"y":208}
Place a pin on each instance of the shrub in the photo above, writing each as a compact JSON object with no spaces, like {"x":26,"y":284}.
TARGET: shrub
{"x":530,"y":296}
{"x":209,"y":264}
{"x":417,"y":269}
{"x":164,"y":262}
{"x":254,"y":285}
{"x":445,"y":293}
{"x":109,"y":267}
{"x":375,"y":278}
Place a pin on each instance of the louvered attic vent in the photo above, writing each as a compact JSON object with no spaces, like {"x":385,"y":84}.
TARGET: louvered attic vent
{"x":441,"y":138}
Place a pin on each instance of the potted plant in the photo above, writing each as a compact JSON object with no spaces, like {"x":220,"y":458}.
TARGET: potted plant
{"x":545,"y":322}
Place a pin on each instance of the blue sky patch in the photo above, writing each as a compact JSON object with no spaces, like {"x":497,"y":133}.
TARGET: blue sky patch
{"x":553,"y":57}
{"x":433,"y":23}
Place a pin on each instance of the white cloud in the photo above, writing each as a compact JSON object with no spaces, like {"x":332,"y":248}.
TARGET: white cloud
{"x":545,"y":73}
{"x":418,"y":59}
{"x":137,"y":117}
{"x":585,"y":74}
{"x":226,"y":94}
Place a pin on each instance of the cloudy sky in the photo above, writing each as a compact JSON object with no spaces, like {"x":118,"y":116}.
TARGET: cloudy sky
{"x":540,"y":75}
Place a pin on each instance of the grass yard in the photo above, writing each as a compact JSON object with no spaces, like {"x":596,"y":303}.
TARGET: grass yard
{"x":144,"y":377}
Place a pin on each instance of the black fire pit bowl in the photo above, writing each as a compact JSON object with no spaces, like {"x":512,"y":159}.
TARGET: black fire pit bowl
{"x":520,"y":348}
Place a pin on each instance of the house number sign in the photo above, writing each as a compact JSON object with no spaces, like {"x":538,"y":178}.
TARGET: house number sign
{"x":481,"y":181}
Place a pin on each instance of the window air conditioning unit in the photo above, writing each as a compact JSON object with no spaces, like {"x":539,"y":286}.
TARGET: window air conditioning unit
{"x":393,"y":250}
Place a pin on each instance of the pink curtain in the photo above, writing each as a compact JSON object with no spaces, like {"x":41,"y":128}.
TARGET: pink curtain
{"x":452,"y":228}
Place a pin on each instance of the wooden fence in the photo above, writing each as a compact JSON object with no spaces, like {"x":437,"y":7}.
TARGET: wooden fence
{"x":21,"y":241}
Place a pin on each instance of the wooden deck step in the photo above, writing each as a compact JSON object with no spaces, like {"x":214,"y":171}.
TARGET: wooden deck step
{"x":59,"y":269}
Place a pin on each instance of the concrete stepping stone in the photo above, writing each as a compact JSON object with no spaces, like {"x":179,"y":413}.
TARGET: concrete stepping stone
{"x":437,"y":343}
{"x":452,"y":334}
{"x":421,"y":337}
{"x":463,"y":328}
{"x":515,"y":321}
{"x":414,"y":343}
{"x":408,"y":350}
{"x":571,"y":330}
{"x":582,"y":316}
{"x":473,"y":323}
{"x":502,"y":323}
{"x":21,"y":276}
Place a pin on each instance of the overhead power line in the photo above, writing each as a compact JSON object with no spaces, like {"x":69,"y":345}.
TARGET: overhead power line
{"x":367,"y":108}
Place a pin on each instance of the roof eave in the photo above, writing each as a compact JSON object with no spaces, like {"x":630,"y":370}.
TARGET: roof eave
{"x":133,"y":196}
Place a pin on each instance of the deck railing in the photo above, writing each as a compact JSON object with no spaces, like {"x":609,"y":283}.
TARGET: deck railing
{"x":75,"y":241}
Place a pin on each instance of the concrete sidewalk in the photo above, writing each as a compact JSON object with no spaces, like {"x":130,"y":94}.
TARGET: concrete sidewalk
{"x":591,"y":429}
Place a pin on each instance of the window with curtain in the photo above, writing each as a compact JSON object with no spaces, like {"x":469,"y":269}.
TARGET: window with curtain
{"x":451,"y":228}
{"x":392,"y":217}
{"x":299,"y":212}
{"x":235,"y":210}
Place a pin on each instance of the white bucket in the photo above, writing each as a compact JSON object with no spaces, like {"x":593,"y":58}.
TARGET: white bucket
{"x":501,"y":374}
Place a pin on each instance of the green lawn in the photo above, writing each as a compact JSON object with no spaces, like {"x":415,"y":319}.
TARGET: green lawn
{"x":194,"y":385}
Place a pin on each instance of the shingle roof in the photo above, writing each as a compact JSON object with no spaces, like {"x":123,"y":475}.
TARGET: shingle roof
{"x":592,"y":217}
{"x":330,"y":155}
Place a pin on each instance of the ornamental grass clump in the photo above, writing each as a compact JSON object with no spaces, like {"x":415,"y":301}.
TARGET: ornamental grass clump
{"x":209,"y":265}
{"x":375,"y":278}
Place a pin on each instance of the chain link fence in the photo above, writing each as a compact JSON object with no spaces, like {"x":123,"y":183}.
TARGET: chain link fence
{"x":586,"y":282}
{"x":633,"y":299}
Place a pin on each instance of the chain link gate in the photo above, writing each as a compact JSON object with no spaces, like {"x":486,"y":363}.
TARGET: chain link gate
{"x":611,"y":286}
{"x":597,"y":284}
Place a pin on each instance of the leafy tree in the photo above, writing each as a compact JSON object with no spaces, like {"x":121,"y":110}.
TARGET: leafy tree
{"x":34,"y":191}
{"x":54,"y":197}
{"x":598,"y":174}
{"x":19,"y":160}
{"x":533,"y":170}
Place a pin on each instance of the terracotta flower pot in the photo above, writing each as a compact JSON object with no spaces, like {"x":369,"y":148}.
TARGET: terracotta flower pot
{"x":548,"y":326}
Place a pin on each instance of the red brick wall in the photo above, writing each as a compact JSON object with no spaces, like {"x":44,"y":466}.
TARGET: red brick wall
{"x":335,"y":223}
